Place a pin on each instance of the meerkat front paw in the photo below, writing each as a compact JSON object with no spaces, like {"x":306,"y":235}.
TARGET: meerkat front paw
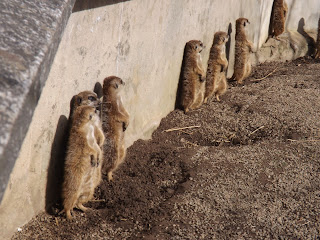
{"x":110,"y":177}
{"x":202,"y":78}
{"x":94,"y":161}
{"x":125,"y":126}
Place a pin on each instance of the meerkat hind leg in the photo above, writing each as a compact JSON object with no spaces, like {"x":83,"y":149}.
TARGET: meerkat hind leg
{"x":68,"y":214}
{"x":119,"y":159}
{"x":81,"y":207}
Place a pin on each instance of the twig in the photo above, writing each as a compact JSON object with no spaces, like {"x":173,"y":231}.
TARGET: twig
{"x":311,"y":140}
{"x":256,"y":130}
{"x":259,"y":79}
{"x":193,"y":144}
{"x":98,"y":200}
{"x":222,"y":141}
{"x":57,"y":221}
{"x":186,"y":141}
{"x":177,"y":129}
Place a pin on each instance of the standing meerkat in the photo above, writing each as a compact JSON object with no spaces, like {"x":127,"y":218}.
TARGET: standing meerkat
{"x":193,"y":76}
{"x":278,"y":19}
{"x":83,"y":154}
{"x":89,"y":98}
{"x":243,"y":47}
{"x":115,"y":121}
{"x":216,"y":82}
{"x":317,"y":47}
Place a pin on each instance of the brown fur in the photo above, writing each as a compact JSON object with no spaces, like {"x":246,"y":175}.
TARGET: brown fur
{"x":317,"y":46}
{"x":85,"y":98}
{"x":278,"y":18}
{"x":243,"y":47}
{"x":216,"y":82}
{"x":88,"y":98}
{"x":115,"y":122}
{"x":193,"y":76}
{"x":82,"y":157}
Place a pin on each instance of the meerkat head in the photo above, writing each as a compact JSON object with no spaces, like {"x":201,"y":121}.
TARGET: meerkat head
{"x":112,"y":84}
{"x":195,"y":45}
{"x":86,"y":98}
{"x":84,"y":114}
{"x":242,"y":22}
{"x":220,"y":38}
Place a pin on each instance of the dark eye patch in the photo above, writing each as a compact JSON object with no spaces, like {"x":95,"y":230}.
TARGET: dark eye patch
{"x":92,"y":98}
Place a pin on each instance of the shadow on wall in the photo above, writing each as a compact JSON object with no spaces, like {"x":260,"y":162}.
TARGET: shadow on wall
{"x":228,"y":44}
{"x":57,"y":159}
{"x":56,"y":166}
{"x":311,"y":42}
{"x":178,"y":104}
{"x":270,"y":21}
{"x":81,"y":5}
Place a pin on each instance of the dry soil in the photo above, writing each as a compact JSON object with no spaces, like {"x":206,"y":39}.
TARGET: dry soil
{"x":250,"y":169}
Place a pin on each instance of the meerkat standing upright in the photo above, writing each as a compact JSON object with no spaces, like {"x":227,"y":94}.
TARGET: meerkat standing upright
{"x":115,"y":121}
{"x":83,"y":151}
{"x":193,"y":76}
{"x":216,"y":82}
{"x":317,"y":47}
{"x":278,"y":19}
{"x":243,"y":47}
{"x":89,"y":98}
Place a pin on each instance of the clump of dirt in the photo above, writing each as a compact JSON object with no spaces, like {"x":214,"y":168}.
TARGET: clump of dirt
{"x":247,"y":168}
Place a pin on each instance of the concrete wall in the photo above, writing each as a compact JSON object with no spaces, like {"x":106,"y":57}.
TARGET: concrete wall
{"x":142,"y":42}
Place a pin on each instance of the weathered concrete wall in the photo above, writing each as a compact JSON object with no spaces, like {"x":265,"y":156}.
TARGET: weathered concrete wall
{"x":30,"y":33}
{"x":142,"y":42}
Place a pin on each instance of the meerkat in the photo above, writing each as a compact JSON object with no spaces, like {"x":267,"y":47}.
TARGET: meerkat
{"x":193,"y":76}
{"x":88,"y":98}
{"x":114,"y":123}
{"x":278,"y":19}
{"x":83,"y":153}
{"x":317,"y":46}
{"x":243,"y":47}
{"x":216,"y":82}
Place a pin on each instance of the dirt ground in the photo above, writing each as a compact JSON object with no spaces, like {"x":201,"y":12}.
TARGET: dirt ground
{"x":250,"y":169}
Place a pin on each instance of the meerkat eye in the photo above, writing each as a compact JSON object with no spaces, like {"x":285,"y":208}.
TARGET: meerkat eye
{"x":201,"y":44}
{"x":92,"y":98}
{"x":196,"y":47}
{"x":90,"y":116}
{"x":116,"y":85}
